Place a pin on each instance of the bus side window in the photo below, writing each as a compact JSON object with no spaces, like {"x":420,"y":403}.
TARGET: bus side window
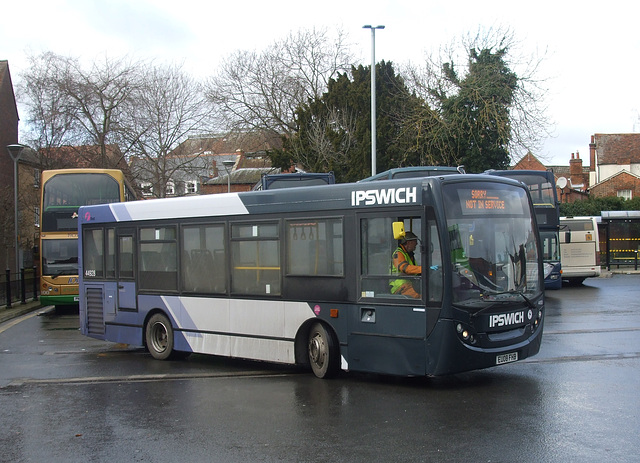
{"x":204,"y":259}
{"x":434,"y":258}
{"x":93,"y":263}
{"x":125,"y":256}
{"x":255,"y":259}
{"x":110,"y":256}
{"x":158,"y":258}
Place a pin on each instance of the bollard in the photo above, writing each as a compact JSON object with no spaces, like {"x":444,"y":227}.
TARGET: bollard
{"x":636,"y":261}
{"x":8,"y":274}
{"x":23,"y":288}
{"x":35,"y":283}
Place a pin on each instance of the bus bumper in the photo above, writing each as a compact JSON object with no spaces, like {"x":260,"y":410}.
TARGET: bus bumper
{"x":59,"y":300}
{"x":448,"y":354}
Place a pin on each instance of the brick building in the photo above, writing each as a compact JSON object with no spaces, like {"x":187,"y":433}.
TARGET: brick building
{"x":614,"y":161}
{"x":28,"y":184}
{"x":613,"y":169}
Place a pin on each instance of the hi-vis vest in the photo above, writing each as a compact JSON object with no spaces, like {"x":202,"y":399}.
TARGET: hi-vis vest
{"x":396,"y":284}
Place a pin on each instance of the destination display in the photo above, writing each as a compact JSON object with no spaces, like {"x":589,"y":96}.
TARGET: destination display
{"x":491,"y":201}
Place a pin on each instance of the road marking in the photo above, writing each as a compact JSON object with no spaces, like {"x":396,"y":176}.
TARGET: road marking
{"x":146,"y":378}
{"x":581,"y":358}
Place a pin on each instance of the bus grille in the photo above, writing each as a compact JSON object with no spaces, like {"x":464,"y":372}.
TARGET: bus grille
{"x":95,"y":313}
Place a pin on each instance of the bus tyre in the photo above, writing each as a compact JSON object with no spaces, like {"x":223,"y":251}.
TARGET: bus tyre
{"x":159,"y":337}
{"x":324,"y":355}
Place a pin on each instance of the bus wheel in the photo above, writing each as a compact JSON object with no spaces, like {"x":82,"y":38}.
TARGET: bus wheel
{"x":159,"y":337}
{"x":323,"y":352}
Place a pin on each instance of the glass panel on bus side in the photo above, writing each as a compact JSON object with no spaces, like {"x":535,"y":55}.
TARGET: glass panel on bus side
{"x":433,"y":255}
{"x":203,"y":259}
{"x":380,"y":278}
{"x":110,"y":256}
{"x":93,"y":255}
{"x":315,"y":247}
{"x":158,"y":259}
{"x":255,"y":259}
{"x":126,"y":267}
{"x":125,"y":256}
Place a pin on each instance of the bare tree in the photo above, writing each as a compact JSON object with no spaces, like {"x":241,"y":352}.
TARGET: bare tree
{"x":114,"y":106}
{"x":262,"y":90}
{"x":170,"y":106}
{"x":328,"y":142}
{"x":71,"y":106}
{"x":49,"y":123}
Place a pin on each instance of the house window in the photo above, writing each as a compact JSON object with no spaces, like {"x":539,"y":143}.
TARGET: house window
{"x":147,"y":189}
{"x":626,"y":194}
{"x":191,"y":187}
{"x":171,"y":189}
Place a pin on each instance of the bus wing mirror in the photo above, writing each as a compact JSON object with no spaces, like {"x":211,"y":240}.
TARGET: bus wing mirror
{"x":567,"y":237}
{"x":398,"y":230}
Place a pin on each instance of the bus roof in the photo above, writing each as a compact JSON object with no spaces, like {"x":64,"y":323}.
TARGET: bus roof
{"x":296,"y":179}
{"x":392,"y":193}
{"x":414,"y":171}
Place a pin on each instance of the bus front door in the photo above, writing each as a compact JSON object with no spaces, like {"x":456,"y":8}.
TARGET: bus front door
{"x":388,"y":339}
{"x":126,"y":269}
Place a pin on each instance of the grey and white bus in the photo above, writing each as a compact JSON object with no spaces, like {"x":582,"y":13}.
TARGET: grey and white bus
{"x":579,"y":248}
{"x":303,"y":275}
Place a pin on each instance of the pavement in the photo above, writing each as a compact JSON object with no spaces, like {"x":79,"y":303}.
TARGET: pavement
{"x":18,"y":309}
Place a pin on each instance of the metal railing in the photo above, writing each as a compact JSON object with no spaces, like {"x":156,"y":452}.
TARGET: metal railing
{"x":19,"y":289}
{"x":625,"y":258}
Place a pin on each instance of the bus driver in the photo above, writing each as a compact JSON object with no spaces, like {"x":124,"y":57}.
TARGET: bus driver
{"x":404,"y":263}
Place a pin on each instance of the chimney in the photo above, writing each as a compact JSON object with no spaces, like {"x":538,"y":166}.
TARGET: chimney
{"x":592,"y":154}
{"x":575,"y":169}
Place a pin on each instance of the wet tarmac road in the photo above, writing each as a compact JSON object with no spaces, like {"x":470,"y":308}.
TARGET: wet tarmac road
{"x":65,"y":397}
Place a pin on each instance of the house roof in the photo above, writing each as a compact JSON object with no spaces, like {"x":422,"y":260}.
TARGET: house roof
{"x":7,"y":94}
{"x":248,"y":176}
{"x":221,"y":144}
{"x":617,"y":148}
{"x":617,"y":174}
{"x":529,"y":162}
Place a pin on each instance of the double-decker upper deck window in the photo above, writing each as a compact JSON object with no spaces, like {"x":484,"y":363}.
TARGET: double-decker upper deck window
{"x":255,"y":259}
{"x":315,"y":247}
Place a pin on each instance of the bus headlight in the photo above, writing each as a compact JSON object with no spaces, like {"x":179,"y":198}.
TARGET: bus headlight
{"x":465,"y":334}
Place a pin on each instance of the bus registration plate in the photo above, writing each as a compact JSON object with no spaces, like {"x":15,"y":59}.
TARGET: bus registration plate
{"x":506,"y":358}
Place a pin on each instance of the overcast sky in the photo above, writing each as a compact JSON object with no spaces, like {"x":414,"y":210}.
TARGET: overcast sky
{"x":591,"y":49}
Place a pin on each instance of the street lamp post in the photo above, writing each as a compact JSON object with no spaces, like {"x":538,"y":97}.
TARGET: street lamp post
{"x":15,"y":151}
{"x":228,"y":163}
{"x":373,"y":95}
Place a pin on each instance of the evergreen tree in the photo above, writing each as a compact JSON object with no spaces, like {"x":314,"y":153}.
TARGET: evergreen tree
{"x":334,"y":131}
{"x":476,"y":116}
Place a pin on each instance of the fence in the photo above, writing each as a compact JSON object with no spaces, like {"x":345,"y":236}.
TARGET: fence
{"x":19,"y":290}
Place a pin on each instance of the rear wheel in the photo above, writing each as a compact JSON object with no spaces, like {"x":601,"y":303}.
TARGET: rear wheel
{"x":159,"y":337}
{"x":324,"y":355}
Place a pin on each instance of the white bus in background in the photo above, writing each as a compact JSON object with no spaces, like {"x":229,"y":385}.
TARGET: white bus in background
{"x":579,"y":248}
